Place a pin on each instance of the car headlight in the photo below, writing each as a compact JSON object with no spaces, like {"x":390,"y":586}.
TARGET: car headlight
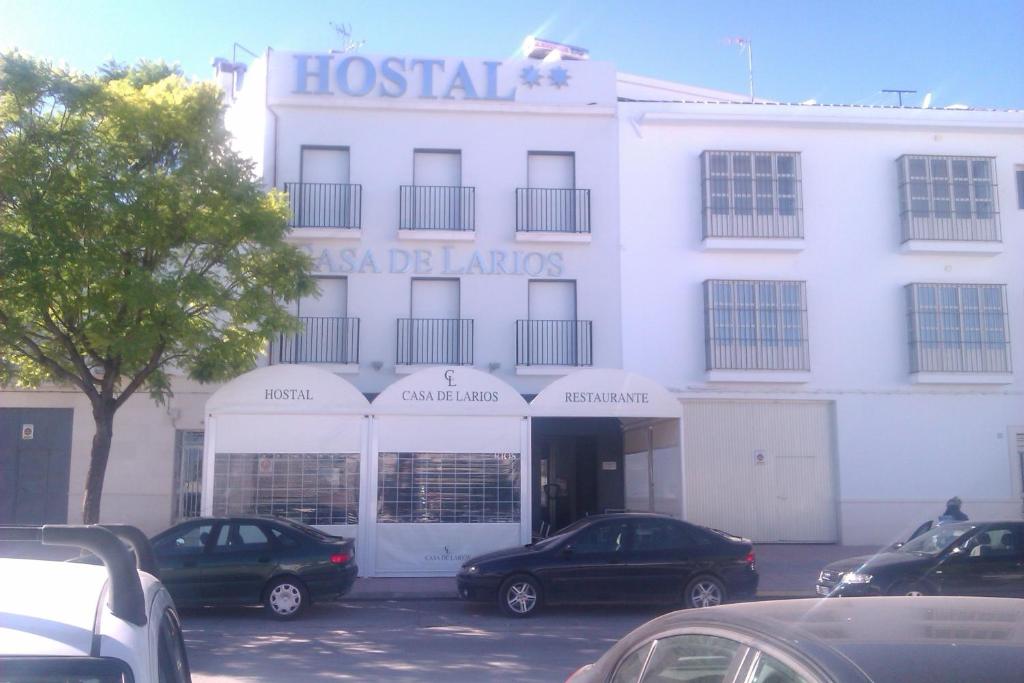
{"x":856,"y":577}
{"x":471,"y":569}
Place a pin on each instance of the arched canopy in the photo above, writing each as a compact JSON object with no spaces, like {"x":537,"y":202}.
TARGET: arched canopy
{"x":605,"y":393}
{"x":285,"y":389}
{"x":450,"y":390}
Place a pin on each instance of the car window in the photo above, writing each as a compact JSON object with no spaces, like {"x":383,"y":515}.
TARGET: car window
{"x":632,"y":666}
{"x":187,"y":540}
{"x":664,"y":534}
{"x":172,"y":662}
{"x":286,"y":540}
{"x":241,"y":537}
{"x":771,"y":670}
{"x":995,"y":542}
{"x":936,"y":540}
{"x":604,"y":537}
{"x":690,"y":658}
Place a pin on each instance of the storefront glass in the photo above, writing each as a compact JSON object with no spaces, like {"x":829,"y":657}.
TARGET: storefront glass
{"x":448,"y":488}
{"x":312,"y":488}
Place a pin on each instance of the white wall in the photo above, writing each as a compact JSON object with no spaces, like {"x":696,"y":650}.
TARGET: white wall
{"x":896,"y":442}
{"x":494,"y":139}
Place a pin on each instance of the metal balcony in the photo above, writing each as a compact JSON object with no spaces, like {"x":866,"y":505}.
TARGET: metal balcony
{"x":554,"y":342}
{"x":323,"y":340}
{"x":435,"y":341}
{"x":324,"y":205}
{"x":436,"y":207}
{"x":552,"y":210}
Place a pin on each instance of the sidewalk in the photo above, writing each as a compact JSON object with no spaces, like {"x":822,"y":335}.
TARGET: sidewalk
{"x":787,"y":571}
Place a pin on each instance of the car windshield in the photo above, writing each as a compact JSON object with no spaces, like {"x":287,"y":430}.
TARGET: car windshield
{"x":562,"y":533}
{"x":936,"y":539}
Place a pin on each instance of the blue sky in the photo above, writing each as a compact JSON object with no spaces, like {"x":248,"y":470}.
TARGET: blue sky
{"x":966,"y":51}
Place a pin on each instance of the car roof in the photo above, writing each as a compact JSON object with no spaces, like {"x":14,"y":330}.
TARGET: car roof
{"x":59,"y":617}
{"x":888,"y":638}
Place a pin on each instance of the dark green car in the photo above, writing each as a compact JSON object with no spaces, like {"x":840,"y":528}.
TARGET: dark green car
{"x":272,"y":561}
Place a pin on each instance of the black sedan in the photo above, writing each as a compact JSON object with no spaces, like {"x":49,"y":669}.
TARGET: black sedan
{"x":252,"y":560}
{"x":888,"y":640}
{"x":959,"y":558}
{"x":622,"y":558}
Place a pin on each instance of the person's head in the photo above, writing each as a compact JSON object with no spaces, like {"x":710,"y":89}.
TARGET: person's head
{"x":954,"y":503}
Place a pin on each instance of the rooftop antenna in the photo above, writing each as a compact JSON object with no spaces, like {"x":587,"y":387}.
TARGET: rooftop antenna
{"x":234,"y":52}
{"x":344,"y":32}
{"x":900,"y":93}
{"x":745,"y":44}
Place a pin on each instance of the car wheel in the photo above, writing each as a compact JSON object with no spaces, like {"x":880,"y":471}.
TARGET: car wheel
{"x":910,"y":589}
{"x":519,"y":596}
{"x":704,"y":591}
{"x":286,"y":597}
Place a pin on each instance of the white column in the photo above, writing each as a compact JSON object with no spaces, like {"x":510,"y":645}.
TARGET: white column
{"x":209,"y":453}
{"x":526,"y":482}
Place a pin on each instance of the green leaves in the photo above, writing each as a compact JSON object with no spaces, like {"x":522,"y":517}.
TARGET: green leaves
{"x":133,"y":239}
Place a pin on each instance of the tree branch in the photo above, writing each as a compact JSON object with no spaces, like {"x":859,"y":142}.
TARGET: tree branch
{"x":155,"y":360}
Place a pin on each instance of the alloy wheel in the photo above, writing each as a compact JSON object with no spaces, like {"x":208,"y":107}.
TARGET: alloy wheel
{"x":521,"y":597}
{"x":705,"y":594}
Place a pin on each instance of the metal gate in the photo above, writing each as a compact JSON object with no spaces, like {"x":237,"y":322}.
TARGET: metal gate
{"x":762,"y":469}
{"x":188,"y":474}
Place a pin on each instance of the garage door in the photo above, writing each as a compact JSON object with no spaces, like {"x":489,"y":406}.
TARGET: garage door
{"x":761,"y":469}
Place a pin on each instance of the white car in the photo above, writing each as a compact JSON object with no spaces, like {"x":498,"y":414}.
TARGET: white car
{"x":76,"y":622}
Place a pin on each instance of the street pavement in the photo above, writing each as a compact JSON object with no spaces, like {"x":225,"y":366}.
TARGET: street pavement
{"x":396,"y":630}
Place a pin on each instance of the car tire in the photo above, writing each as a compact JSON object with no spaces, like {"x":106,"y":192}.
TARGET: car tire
{"x":519,"y":596}
{"x":910,"y":589}
{"x":285,"y":598}
{"x":703,"y":591}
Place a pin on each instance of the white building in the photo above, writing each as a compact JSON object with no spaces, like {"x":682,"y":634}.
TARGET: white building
{"x":550,"y":290}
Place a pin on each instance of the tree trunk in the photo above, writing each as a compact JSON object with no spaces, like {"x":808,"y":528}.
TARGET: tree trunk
{"x":103,"y":415}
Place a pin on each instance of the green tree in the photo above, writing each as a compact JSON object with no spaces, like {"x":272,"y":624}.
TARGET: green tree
{"x":134,"y":242}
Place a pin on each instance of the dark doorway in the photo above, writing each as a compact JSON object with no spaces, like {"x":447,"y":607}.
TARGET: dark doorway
{"x":35,"y":457}
{"x":577,"y":470}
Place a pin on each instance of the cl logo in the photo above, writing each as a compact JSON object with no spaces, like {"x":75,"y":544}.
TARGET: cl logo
{"x":446,"y":551}
{"x":450,"y":376}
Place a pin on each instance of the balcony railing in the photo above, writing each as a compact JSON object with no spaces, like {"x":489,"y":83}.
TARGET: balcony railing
{"x":436,"y":207}
{"x":945,"y":226}
{"x":966,"y":357}
{"x":323,"y":340}
{"x":554,"y":342}
{"x":552,"y":210}
{"x":435,"y":341}
{"x":325,"y":205}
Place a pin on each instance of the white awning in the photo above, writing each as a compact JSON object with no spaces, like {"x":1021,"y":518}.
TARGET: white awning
{"x":288,"y":389}
{"x":605,"y":393}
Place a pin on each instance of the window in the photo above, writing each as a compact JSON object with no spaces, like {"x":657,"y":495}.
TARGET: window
{"x":663,"y":534}
{"x":1020,"y":187}
{"x":751,"y":194}
{"x":632,"y":666}
{"x":958,"y":328}
{"x":312,"y":488}
{"x":601,"y":538}
{"x":188,"y":474}
{"x":436,"y":200}
{"x":756,"y":325}
{"x":448,"y":488}
{"x":770,"y":670}
{"x":190,"y":540}
{"x":172,"y":663}
{"x":948,"y":198}
{"x":324,"y":196}
{"x":691,"y":657}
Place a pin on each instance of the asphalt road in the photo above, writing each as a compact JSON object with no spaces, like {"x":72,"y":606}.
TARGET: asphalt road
{"x":402,"y":640}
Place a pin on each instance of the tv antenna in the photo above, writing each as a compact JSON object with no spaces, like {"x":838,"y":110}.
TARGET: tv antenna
{"x":344,"y":32}
{"x":745,"y":44}
{"x":900,"y":93}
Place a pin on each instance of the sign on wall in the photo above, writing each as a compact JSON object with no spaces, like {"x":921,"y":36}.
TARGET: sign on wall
{"x":443,"y":261}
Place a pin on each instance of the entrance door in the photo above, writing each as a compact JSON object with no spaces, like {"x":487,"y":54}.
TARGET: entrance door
{"x":551,"y":337}
{"x":434,"y":334}
{"x":35,"y":456}
{"x":326,"y":199}
{"x":551,"y":177}
{"x":437,"y":197}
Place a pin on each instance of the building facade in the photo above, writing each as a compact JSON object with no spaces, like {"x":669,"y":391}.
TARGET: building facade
{"x":549,"y":290}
